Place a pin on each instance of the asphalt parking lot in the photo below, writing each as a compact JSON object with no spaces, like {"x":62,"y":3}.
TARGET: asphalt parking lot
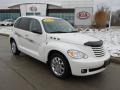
{"x":25,"y":73}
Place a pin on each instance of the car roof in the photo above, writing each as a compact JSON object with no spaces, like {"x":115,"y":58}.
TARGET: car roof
{"x":40,"y":17}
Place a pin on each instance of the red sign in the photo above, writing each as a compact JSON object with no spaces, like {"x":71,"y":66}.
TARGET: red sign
{"x":83,"y":15}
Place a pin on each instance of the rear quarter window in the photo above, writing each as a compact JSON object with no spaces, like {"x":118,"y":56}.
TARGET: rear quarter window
{"x":16,"y":25}
{"x":23,"y":23}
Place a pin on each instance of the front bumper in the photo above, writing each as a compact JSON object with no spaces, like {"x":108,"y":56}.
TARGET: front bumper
{"x":89,"y":66}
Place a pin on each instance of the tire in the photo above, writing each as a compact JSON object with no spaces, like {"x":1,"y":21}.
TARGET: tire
{"x":14,"y":48}
{"x":59,"y":66}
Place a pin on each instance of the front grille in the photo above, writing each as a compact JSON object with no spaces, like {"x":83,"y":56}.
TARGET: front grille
{"x":98,"y":51}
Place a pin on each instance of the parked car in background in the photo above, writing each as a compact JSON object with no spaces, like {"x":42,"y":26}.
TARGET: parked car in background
{"x":55,"y":42}
{"x":7,"y":22}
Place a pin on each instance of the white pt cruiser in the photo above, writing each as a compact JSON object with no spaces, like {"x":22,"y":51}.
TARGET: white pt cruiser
{"x":55,"y":42}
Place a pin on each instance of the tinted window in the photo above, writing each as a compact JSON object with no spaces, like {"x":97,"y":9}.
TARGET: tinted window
{"x":24,"y":23}
{"x":35,"y":25}
{"x":17,"y":23}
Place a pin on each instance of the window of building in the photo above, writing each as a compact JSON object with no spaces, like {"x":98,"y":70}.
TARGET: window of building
{"x":66,"y":14}
{"x":9,"y":14}
{"x":29,"y":14}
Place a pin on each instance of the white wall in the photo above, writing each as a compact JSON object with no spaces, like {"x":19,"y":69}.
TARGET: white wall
{"x":41,"y":8}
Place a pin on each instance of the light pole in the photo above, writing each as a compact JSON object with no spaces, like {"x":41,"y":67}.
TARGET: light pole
{"x":110,"y":20}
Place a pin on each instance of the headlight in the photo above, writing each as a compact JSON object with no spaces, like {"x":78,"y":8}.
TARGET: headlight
{"x":77,"y":54}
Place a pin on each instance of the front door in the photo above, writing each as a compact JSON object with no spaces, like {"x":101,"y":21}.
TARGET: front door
{"x":35,"y":42}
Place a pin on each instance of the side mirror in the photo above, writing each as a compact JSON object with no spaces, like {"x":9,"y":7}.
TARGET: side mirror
{"x":37,"y":31}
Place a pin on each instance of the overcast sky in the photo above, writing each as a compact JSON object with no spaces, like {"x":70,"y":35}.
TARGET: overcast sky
{"x":114,"y":4}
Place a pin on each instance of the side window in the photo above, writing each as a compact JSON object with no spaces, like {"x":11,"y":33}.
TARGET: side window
{"x":35,"y":26}
{"x":24,"y":24}
{"x":16,"y":25}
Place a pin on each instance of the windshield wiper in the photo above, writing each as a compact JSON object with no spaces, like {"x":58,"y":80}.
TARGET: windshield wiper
{"x":58,"y":32}
{"x":73,"y":31}
{"x":63,"y":32}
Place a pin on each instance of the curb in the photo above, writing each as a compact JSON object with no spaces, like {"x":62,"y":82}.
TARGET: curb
{"x":2,"y":34}
{"x":115,"y":60}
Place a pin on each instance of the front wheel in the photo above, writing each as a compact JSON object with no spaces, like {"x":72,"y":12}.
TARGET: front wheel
{"x":14,"y":48}
{"x":59,"y":66}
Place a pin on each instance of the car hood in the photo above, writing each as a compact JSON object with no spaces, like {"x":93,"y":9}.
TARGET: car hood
{"x":74,"y":38}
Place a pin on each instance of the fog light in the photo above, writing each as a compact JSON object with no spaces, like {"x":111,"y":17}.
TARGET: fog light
{"x":83,"y":70}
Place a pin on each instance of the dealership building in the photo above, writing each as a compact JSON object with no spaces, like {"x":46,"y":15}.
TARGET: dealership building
{"x":78,"y":13}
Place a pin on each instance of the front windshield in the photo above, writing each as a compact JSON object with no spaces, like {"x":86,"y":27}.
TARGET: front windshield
{"x":57,"y":26}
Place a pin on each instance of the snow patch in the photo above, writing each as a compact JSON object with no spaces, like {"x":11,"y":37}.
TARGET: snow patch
{"x":6,"y":30}
{"x":111,"y":39}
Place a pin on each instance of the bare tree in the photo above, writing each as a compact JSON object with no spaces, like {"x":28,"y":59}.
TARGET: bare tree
{"x":101,"y":17}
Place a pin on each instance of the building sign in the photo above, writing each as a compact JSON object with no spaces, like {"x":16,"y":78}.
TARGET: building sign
{"x":83,"y":15}
{"x":33,"y":9}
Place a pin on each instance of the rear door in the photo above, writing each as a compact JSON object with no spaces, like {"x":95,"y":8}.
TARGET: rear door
{"x":21,"y":32}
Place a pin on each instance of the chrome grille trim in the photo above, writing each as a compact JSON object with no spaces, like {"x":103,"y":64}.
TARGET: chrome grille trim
{"x":98,"y":51}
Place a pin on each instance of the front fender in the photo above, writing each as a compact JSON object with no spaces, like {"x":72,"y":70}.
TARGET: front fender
{"x":59,"y":46}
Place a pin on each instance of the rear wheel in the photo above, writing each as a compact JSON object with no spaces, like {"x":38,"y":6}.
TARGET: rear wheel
{"x":59,"y":66}
{"x":14,"y":48}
